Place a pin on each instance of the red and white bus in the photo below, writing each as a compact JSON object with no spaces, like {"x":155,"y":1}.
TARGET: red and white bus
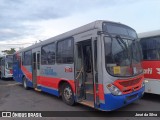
{"x":150,"y":42}
{"x":97,"y":65}
{"x":6,"y":63}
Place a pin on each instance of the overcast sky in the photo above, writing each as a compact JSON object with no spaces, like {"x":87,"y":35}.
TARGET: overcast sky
{"x":24,"y":22}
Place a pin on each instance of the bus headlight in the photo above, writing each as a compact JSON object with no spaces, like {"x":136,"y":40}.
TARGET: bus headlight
{"x":114,"y":90}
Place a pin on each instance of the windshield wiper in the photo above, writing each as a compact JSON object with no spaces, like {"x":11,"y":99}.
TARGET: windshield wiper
{"x":122,"y":44}
{"x":124,"y":47}
{"x":121,"y":41}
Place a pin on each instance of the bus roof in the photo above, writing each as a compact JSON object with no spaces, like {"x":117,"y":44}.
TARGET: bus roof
{"x":149,"y":34}
{"x":93,"y":25}
{"x":6,"y":55}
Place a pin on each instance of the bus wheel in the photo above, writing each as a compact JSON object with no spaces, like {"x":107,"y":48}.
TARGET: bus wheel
{"x":25,"y":83}
{"x":67,"y":94}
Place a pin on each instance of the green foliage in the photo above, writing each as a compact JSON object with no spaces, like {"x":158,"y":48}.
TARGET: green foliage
{"x":11,"y":51}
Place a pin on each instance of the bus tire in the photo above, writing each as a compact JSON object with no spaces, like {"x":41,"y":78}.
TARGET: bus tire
{"x":25,"y":83}
{"x":67,"y":94}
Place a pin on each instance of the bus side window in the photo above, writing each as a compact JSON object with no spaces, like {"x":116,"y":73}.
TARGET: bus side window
{"x":65,"y":51}
{"x":3,"y":62}
{"x":27,"y":58}
{"x":48,"y":54}
{"x":38,"y":61}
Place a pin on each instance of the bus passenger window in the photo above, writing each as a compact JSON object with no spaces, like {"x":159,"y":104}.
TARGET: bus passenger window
{"x":65,"y":51}
{"x":48,"y":54}
{"x":27,"y":58}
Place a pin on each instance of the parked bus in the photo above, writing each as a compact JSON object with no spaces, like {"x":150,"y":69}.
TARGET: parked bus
{"x":6,"y":63}
{"x":97,"y":65}
{"x":150,"y":42}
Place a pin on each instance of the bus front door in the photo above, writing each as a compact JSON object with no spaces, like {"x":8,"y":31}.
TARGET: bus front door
{"x":84,"y":72}
{"x":35,"y":68}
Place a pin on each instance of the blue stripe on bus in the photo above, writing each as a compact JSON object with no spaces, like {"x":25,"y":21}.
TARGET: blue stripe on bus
{"x":114,"y":102}
{"x":29,"y":83}
{"x":50,"y":90}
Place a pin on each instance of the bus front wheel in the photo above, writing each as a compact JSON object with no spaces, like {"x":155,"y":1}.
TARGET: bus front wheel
{"x":25,"y":83}
{"x":67,"y":94}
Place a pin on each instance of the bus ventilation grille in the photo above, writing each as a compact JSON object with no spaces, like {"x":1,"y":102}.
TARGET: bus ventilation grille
{"x":130,"y":82}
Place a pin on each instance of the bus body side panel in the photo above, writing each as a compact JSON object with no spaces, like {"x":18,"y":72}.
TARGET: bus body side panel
{"x":46,"y":83}
{"x":17,"y":68}
{"x":152,"y":86}
{"x":27,"y":72}
{"x":52,"y":75}
{"x":17,"y":72}
{"x":51,"y":84}
{"x":151,"y":69}
{"x":151,"y":74}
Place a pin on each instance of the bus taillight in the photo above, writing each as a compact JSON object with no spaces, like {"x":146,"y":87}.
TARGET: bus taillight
{"x":11,"y":71}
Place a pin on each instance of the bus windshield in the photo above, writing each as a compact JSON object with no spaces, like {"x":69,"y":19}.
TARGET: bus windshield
{"x":114,"y":28}
{"x":9,"y":61}
{"x":122,"y":56}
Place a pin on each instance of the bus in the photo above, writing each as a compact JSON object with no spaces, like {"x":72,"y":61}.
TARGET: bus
{"x":97,"y":65}
{"x":150,"y":42}
{"x":6,"y":63}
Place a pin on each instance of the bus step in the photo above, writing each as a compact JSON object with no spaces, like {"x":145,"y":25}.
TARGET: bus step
{"x":89,"y":83}
{"x":36,"y":89}
{"x":89,"y":97}
{"x":87,"y":103}
{"x":90,"y":91}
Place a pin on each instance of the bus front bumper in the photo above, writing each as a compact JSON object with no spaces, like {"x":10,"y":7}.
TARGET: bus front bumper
{"x":113,"y":102}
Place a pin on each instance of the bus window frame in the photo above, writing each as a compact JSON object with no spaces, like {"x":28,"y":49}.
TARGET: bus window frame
{"x":146,"y":39}
{"x":41,"y":53}
{"x":72,"y":41}
{"x":23,"y":57}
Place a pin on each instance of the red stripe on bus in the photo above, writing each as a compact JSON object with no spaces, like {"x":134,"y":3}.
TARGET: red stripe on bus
{"x":151,"y":69}
{"x":27,"y":73}
{"x":48,"y":81}
{"x":11,"y":71}
{"x":54,"y":82}
{"x":100,"y":92}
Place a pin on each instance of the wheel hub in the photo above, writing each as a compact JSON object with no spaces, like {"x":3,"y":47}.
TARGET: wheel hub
{"x":67,"y":93}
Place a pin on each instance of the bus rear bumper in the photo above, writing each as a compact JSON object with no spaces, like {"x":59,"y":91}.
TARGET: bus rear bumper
{"x":8,"y":76}
{"x":113,"y":102}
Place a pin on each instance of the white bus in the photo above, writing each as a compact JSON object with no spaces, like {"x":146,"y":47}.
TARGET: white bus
{"x":150,"y":42}
{"x":98,"y":65}
{"x":6,"y":63}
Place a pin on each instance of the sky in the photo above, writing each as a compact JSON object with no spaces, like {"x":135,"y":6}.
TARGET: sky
{"x":25,"y":22}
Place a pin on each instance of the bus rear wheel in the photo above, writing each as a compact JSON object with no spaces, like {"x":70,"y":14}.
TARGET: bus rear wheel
{"x":67,"y":94}
{"x":25,"y":83}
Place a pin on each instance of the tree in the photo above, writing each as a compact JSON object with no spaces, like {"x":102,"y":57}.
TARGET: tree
{"x":11,"y":51}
